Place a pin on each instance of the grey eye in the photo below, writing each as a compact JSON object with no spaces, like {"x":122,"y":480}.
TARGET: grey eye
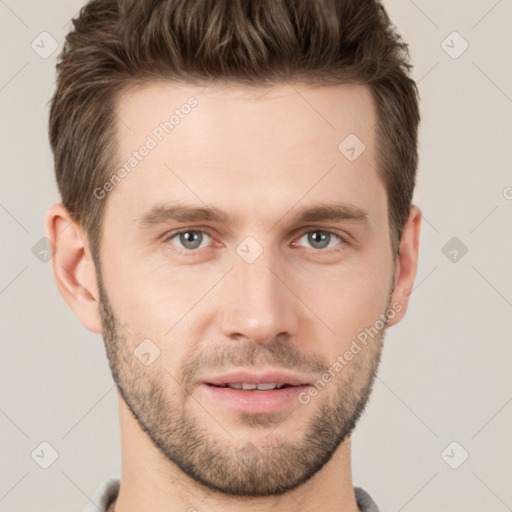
{"x":191,"y":239}
{"x":320,"y":239}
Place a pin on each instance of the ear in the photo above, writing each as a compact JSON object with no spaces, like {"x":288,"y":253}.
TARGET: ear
{"x":407,"y":263}
{"x":73,"y":267}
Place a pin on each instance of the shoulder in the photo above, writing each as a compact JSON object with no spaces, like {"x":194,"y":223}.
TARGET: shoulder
{"x":104,"y":495}
{"x":365,"y":501}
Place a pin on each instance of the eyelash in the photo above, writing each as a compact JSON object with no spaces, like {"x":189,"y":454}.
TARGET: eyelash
{"x":193,"y":252}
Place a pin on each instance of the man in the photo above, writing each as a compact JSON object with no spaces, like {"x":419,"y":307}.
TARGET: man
{"x":236,"y":180}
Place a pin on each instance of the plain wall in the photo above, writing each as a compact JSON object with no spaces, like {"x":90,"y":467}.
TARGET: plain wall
{"x":445,"y":374}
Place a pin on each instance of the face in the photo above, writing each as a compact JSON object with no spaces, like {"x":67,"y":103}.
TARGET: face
{"x":245,"y":276}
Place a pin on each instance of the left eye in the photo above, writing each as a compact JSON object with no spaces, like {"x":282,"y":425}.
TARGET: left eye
{"x":321,"y":239}
{"x":191,"y":239}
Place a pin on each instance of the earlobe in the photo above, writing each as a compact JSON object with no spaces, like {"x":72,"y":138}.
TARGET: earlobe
{"x":73,"y":267}
{"x":407,"y":263}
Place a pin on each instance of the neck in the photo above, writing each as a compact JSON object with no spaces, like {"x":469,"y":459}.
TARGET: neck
{"x":149,"y":481}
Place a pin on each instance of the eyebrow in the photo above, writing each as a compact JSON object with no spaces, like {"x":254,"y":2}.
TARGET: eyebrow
{"x":165,"y":212}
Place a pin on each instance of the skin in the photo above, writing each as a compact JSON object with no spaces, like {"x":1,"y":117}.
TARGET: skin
{"x":260,"y":154}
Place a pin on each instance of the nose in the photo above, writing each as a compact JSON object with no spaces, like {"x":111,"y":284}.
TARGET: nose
{"x":258,"y":303}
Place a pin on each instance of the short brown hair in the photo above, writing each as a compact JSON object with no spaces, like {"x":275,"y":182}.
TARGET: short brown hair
{"x":118,"y":43}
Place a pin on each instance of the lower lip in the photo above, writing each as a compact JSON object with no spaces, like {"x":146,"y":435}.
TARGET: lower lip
{"x":255,"y":402}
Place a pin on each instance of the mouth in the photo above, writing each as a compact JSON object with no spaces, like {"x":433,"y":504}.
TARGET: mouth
{"x":246,"y":386}
{"x":255,"y":393}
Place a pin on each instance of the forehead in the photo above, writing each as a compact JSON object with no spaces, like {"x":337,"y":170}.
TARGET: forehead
{"x":246,"y":144}
{"x":293,"y":111}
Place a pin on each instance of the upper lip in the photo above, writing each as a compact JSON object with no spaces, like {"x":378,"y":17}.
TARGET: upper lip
{"x":268,"y":377}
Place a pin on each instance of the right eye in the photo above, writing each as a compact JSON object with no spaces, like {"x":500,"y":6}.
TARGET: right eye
{"x":189,"y":239}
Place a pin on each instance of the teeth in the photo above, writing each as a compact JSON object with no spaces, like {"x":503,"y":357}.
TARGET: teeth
{"x":267,"y":386}
{"x":251,"y":387}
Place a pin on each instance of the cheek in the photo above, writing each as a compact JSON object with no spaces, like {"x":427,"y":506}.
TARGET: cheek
{"x":349,"y":300}
{"x":151,"y":300}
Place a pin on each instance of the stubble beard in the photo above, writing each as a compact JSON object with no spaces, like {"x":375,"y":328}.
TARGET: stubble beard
{"x":223,"y":463}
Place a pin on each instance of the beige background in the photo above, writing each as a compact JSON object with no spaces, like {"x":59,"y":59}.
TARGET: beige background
{"x":446,"y":373}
